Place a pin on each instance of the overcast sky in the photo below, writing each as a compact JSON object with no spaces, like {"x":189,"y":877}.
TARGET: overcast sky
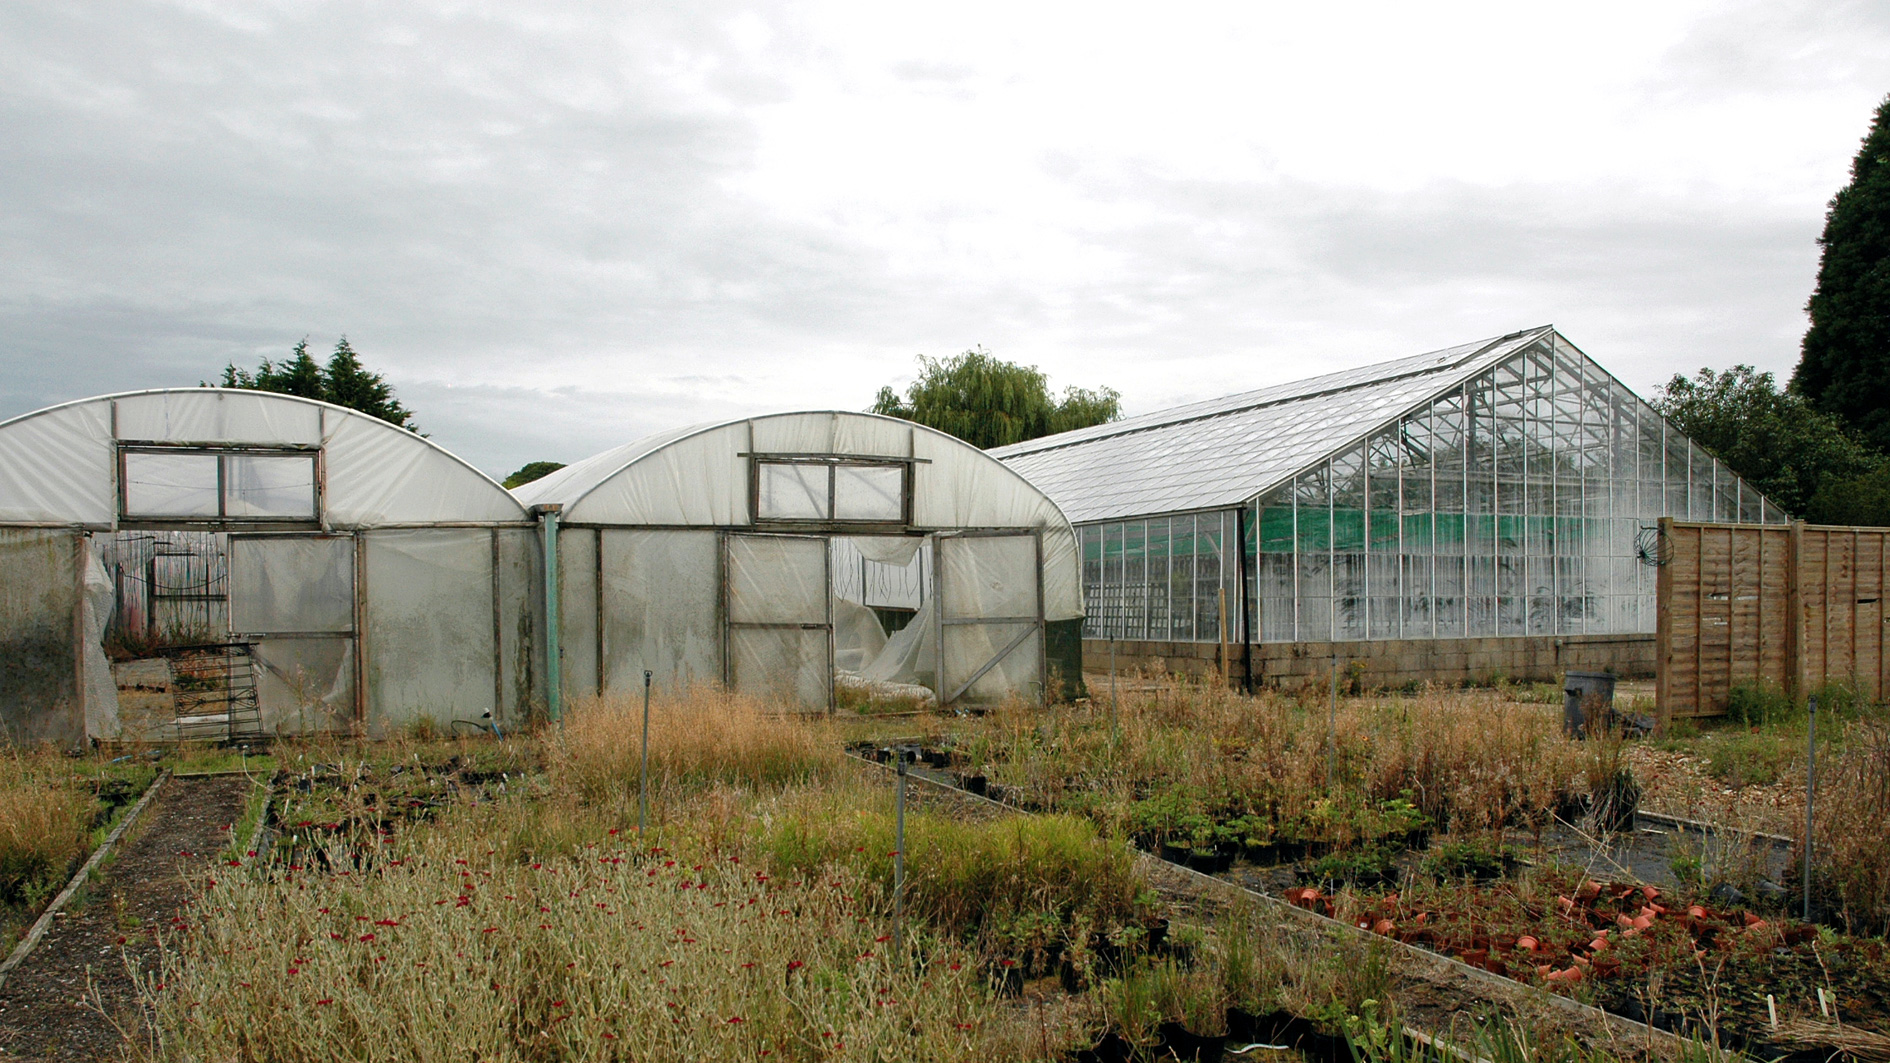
{"x":560,"y":226}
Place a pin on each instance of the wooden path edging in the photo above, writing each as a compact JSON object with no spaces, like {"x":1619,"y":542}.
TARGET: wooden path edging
{"x":44,"y":922}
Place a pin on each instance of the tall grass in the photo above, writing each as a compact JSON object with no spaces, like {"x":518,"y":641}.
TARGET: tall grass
{"x":701,"y":735}
{"x":1469,"y":761}
{"x":43,"y":826}
{"x":1019,"y":888}
{"x":1853,"y":805}
{"x":457,"y":948}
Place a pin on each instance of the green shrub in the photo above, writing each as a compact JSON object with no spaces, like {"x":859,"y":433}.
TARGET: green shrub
{"x":1479,"y":858}
{"x":1760,"y":704}
{"x":1749,"y":759}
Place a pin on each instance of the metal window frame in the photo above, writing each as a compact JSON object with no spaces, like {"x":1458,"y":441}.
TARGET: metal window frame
{"x":316,"y":454}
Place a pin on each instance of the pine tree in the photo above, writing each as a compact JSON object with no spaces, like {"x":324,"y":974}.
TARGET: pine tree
{"x":1845,"y":366}
{"x":344,"y":382}
{"x":989,"y":402}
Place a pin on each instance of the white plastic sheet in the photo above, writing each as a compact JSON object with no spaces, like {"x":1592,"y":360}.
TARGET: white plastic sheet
{"x":777,"y":579}
{"x":58,"y":465}
{"x":291,"y":584}
{"x":430,"y":650}
{"x":660,"y":610}
{"x":304,"y":686}
{"x":101,"y":690}
{"x":788,"y":666}
{"x":181,"y":483}
{"x":858,"y":636}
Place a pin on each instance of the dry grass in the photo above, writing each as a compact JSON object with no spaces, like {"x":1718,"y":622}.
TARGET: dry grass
{"x":1470,"y":762}
{"x":43,"y":825}
{"x":1853,"y":852}
{"x":459,"y":948}
{"x":533,"y":926}
{"x":704,"y":734}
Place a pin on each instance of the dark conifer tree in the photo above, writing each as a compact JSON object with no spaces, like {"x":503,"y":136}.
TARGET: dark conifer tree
{"x":1845,"y":366}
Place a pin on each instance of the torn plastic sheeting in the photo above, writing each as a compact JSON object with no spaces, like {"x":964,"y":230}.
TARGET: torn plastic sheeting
{"x":101,"y":690}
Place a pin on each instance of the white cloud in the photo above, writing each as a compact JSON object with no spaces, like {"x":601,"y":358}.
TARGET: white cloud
{"x":562,"y":225}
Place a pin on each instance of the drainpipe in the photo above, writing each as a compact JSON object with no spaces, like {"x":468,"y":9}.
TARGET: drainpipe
{"x":554,"y":664}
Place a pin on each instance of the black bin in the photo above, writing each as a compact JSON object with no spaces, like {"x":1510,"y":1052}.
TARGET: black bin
{"x":1587,"y":697}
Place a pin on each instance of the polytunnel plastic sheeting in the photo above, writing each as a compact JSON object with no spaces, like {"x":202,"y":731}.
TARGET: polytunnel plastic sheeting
{"x":777,"y":579}
{"x":379,"y":474}
{"x":56,"y":467}
{"x":521,"y":609}
{"x":216,"y":415}
{"x":291,"y":584}
{"x":858,"y":636}
{"x":40,"y":695}
{"x":660,"y":608}
{"x":910,"y":655}
{"x":429,"y":638}
{"x":785,"y":665}
{"x":1017,"y":650}
{"x":955,"y":491}
{"x":100,"y":688}
{"x":988,"y":576}
{"x":693,"y":476}
{"x":304,"y":686}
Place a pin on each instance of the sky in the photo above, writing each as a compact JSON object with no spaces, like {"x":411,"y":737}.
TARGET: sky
{"x":557,"y":227}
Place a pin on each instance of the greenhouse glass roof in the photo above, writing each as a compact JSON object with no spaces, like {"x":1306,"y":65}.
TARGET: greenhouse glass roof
{"x":1224,"y":451}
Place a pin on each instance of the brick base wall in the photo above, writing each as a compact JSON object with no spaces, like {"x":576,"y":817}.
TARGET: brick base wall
{"x":1390,"y":662}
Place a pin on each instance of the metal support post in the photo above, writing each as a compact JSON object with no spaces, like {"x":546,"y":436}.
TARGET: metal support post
{"x":643,"y":776}
{"x":899,"y":853}
{"x":1332,"y":723}
{"x":554,"y":656}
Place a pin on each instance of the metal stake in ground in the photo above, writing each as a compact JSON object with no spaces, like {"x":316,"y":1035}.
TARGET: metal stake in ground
{"x":1115,"y":714}
{"x":1332,"y":722}
{"x":643,"y":776}
{"x":1811,"y":786}
{"x":899,"y":853}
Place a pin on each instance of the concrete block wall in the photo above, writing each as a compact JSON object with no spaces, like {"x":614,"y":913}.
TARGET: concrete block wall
{"x":1390,"y":662}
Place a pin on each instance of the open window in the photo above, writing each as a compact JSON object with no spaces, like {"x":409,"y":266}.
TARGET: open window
{"x":821,"y":490}
{"x":218,"y":485}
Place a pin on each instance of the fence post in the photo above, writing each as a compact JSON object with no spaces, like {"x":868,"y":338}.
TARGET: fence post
{"x":643,"y":775}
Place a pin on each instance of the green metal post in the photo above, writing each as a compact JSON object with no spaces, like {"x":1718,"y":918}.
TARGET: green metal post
{"x":554,"y":664}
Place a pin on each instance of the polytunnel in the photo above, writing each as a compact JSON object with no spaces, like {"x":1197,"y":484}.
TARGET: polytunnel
{"x":211,"y":563}
{"x":785,"y":554}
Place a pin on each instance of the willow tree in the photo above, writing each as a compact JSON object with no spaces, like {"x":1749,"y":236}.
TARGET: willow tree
{"x":989,"y":402}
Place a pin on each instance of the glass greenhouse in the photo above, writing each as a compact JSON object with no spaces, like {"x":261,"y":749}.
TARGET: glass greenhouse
{"x":1507,"y":487}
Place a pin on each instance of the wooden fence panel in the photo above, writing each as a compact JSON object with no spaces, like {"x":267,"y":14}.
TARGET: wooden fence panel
{"x":1793,"y":607}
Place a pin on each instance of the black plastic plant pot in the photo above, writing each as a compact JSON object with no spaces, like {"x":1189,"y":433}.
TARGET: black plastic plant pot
{"x":974,"y":784}
{"x":1179,"y":1042}
{"x":1176,"y":852}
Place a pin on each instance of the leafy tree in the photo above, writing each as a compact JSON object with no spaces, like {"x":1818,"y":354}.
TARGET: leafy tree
{"x":1799,"y":457}
{"x":1845,"y":366}
{"x":344,"y":381}
{"x":989,"y":402}
{"x":533,"y":470}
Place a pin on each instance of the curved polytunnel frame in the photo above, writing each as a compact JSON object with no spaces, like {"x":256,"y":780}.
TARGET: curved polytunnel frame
{"x":728,"y":552}
{"x":257,"y":564}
